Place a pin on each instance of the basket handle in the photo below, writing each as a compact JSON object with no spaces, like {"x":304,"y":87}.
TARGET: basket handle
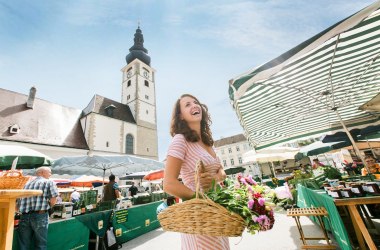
{"x":13,"y":173}
{"x":199,"y":168}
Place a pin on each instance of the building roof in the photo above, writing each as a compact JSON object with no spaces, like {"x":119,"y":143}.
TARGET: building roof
{"x":99,"y":104}
{"x":42,"y":122}
{"x":137,"y":50}
{"x":230,"y":140}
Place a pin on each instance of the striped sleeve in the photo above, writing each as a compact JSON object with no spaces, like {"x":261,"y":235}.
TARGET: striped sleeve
{"x":178,"y":147}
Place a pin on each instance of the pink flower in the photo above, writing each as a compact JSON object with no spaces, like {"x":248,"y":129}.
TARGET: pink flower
{"x":261,"y":201}
{"x":250,"y":204}
{"x":242,"y":180}
{"x":250,"y":180}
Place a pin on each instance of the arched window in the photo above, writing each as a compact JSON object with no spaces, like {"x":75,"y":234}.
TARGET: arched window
{"x":129,"y":144}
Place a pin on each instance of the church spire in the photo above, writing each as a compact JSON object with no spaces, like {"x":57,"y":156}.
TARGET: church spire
{"x":137,"y":50}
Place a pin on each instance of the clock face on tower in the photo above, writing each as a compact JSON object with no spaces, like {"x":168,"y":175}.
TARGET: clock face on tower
{"x":129,"y":74}
{"x":146,"y":74}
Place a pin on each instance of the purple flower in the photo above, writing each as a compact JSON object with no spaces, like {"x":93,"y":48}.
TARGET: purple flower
{"x":242,"y":180}
{"x":261,"y":201}
{"x":264,"y":222}
{"x":250,"y":180}
{"x":250,"y":204}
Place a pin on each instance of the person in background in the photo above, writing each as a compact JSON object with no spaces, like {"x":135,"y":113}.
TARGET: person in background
{"x":59,"y":199}
{"x":75,"y":196}
{"x":374,"y":167}
{"x":192,"y":141}
{"x":317,"y":163}
{"x":170,"y":200}
{"x":111,"y":190}
{"x":34,"y":219}
{"x":133,"y":190}
{"x":371,"y":164}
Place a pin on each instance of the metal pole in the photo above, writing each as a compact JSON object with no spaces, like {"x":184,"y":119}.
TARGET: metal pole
{"x":353,"y":142}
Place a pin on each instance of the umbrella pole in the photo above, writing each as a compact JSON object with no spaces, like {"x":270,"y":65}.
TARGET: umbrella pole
{"x":369,"y":145}
{"x":353,"y":142}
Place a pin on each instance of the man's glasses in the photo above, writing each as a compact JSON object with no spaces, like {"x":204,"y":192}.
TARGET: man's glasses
{"x":370,"y":161}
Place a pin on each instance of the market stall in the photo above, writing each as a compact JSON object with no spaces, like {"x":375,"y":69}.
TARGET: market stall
{"x":318,"y":198}
{"x":74,"y":232}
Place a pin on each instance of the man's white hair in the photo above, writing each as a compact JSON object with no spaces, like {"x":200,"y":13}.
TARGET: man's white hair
{"x":40,"y":170}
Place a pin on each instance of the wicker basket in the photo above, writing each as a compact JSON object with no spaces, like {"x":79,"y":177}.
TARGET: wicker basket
{"x":12,"y":179}
{"x":201,"y":216}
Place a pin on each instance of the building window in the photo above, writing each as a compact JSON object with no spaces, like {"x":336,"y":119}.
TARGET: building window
{"x":107,"y":144}
{"x":229,"y":150}
{"x":110,"y":110}
{"x":147,"y":97}
{"x":240,"y":160}
{"x":147,"y":149}
{"x":146,"y":83}
{"x":224,"y":163}
{"x":237,"y":148}
{"x":129,"y":144}
{"x":128,"y":97}
{"x":222,"y":151}
{"x":232,"y":162}
{"x":147,"y":112}
{"x":129,"y":83}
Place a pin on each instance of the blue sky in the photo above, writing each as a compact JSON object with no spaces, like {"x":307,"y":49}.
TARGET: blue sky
{"x":71,"y":50}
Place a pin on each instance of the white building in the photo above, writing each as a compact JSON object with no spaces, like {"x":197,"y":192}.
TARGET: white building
{"x":230,"y":151}
{"x":105,"y":126}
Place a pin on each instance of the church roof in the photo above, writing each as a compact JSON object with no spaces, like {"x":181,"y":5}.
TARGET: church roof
{"x":43,"y":123}
{"x":99,"y":105}
{"x":137,"y":50}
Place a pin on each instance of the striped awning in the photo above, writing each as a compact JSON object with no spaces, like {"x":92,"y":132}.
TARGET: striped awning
{"x":298,"y":94}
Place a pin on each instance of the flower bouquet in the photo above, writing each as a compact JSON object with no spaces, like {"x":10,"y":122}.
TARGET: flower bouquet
{"x":248,"y":199}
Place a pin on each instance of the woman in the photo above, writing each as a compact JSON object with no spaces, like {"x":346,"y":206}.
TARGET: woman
{"x":371,"y":164}
{"x":192,"y":141}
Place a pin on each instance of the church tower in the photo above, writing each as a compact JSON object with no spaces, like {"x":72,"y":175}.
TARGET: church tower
{"x":139,"y":93}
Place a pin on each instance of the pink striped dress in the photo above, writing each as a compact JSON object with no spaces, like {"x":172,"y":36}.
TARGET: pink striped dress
{"x":190,"y":153}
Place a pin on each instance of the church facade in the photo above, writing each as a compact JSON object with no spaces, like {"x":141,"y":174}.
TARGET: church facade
{"x":103,"y":127}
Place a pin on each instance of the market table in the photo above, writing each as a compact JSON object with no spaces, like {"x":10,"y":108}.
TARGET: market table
{"x":359,"y":226}
{"x":7,"y":212}
{"x":74,"y":232}
{"x":318,"y":198}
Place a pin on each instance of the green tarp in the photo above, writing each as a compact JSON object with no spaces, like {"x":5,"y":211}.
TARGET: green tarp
{"x":318,"y":198}
{"x":139,"y":220}
{"x":97,"y":222}
{"x":64,"y":235}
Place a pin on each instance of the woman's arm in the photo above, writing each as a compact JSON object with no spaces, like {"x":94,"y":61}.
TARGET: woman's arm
{"x":171,"y":183}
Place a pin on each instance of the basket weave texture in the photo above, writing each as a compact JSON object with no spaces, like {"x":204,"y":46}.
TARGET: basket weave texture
{"x":12,"y":179}
{"x":201,"y":216}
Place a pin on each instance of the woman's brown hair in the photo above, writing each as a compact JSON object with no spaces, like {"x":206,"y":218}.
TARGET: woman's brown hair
{"x":179,"y":126}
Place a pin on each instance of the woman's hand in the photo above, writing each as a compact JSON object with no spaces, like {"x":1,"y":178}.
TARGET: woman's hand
{"x":213,"y":172}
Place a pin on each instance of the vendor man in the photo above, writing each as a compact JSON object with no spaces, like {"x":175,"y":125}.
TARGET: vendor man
{"x":111,"y":190}
{"x":34,"y":219}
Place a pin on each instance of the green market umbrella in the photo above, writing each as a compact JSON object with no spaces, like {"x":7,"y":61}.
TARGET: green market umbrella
{"x":341,"y":136}
{"x":27,"y":158}
{"x":371,"y":132}
{"x":235,"y":170}
{"x":318,"y":147}
{"x":314,"y":88}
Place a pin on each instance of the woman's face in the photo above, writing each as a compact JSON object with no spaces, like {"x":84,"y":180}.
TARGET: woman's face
{"x":191,"y":110}
{"x":370,"y":162}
